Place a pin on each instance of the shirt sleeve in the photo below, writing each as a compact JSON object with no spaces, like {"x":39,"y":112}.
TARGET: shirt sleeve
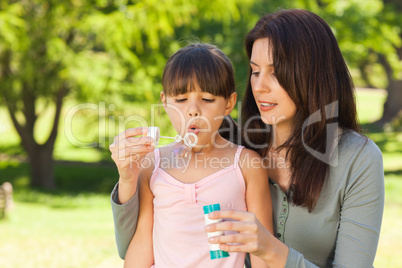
{"x":296,"y":259}
{"x":362,"y":210}
{"x":125,"y":218}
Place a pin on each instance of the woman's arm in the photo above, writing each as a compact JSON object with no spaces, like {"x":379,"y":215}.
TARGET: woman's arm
{"x":125,"y":218}
{"x":140,"y":252}
{"x":362,"y":210}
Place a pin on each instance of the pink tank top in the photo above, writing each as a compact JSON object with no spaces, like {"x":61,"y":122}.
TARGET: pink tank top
{"x":179,"y":238}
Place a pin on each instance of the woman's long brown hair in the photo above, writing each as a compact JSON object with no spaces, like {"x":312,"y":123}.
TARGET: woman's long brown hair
{"x":310,"y":67}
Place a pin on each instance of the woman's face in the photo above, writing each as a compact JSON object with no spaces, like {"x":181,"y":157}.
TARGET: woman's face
{"x":273,"y":102}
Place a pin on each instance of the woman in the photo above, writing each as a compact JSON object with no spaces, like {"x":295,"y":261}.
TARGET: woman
{"x":326,"y":180}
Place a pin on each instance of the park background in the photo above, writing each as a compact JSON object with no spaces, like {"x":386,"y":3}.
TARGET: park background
{"x":73,"y":74}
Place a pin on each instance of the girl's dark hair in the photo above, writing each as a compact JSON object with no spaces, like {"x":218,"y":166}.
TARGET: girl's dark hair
{"x":310,"y":67}
{"x":206,"y":66}
{"x":202,"y":65}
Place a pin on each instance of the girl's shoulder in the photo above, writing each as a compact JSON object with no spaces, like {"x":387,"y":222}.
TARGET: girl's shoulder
{"x":244,"y":154}
{"x":148,"y":165}
{"x":249,"y":160}
{"x":249,"y":155}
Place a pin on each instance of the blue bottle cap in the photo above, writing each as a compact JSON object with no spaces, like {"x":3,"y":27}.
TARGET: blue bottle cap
{"x":218,"y":254}
{"x":211,"y":208}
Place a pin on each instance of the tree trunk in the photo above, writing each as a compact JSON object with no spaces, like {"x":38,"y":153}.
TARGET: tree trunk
{"x":393,"y":104}
{"x":42,"y":167}
{"x":40,"y":155}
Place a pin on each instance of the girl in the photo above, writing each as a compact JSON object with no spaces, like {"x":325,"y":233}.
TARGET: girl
{"x":199,"y":90}
{"x":328,"y":199}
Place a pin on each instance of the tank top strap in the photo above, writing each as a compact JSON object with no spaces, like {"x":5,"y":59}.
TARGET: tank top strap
{"x":157,"y":159}
{"x":157,"y":164}
{"x":237,"y":156}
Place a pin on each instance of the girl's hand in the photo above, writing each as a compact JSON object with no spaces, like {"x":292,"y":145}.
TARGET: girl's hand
{"x":251,"y":235}
{"x":128,"y":151}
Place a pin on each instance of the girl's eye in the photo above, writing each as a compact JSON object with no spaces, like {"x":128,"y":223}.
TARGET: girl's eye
{"x":255,"y":73}
{"x":180,"y":100}
{"x":208,"y":100}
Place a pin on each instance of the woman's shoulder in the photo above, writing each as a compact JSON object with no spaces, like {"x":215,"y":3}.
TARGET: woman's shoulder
{"x":359,"y":167}
{"x":354,"y":143}
{"x":357,"y":153}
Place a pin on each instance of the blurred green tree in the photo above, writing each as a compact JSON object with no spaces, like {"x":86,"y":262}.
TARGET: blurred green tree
{"x":370,"y":37}
{"x":392,"y":64}
{"x":93,"y":50}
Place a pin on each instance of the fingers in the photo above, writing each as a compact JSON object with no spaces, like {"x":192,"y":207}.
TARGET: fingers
{"x":128,"y":151}
{"x":131,"y":132}
{"x":239,"y":242}
{"x":238,"y":226}
{"x":126,"y":140}
{"x":232,"y":214}
{"x":232,"y":238}
{"x":136,"y":152}
{"x":134,"y":142}
{"x":238,"y":248}
{"x":246,"y":240}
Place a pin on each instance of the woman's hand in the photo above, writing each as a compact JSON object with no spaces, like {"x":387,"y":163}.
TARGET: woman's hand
{"x":128,"y":151}
{"x":251,"y":235}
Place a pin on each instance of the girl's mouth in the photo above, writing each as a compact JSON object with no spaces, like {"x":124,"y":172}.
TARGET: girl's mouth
{"x":193,"y":129}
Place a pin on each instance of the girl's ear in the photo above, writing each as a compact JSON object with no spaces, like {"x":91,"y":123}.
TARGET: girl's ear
{"x":163,"y":99}
{"x":230,"y":103}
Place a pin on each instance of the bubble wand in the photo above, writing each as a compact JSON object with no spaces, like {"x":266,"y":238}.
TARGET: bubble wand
{"x":190,"y":140}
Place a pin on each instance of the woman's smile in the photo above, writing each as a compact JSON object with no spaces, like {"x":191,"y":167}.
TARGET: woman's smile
{"x":267,"y":106}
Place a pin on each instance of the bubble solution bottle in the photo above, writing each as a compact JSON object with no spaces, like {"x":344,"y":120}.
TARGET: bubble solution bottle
{"x":214,"y":250}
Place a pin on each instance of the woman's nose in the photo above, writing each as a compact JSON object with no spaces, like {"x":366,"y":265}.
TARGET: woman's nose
{"x":261,"y":84}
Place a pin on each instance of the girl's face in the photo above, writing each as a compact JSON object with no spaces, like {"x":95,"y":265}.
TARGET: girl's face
{"x":273,"y":102}
{"x":198,"y":112}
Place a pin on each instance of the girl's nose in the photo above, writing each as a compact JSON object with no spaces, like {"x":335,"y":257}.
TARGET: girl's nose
{"x":193,"y":110}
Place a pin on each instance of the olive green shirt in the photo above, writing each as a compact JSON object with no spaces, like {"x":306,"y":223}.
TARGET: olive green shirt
{"x":343,"y":229}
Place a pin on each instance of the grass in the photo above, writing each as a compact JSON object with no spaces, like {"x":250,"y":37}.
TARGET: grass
{"x":45,"y":235}
{"x":73,"y":226}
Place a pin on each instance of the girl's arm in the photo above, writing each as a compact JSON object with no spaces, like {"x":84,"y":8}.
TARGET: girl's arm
{"x":140,"y":251}
{"x":258,"y":195}
{"x":128,"y":149}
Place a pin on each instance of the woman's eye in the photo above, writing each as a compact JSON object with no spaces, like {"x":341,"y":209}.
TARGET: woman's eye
{"x":180,"y":100}
{"x":255,"y":73}
{"x":208,"y":100}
